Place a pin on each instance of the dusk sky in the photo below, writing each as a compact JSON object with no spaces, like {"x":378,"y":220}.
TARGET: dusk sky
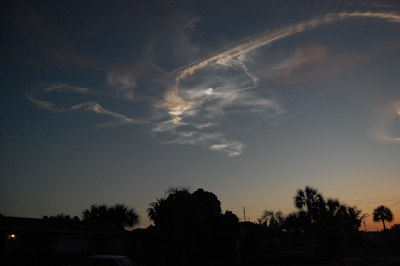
{"x":106,"y":102}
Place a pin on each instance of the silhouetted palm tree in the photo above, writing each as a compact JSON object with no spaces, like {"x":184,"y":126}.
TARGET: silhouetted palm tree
{"x":118,"y":215}
{"x":122,"y":216}
{"x":62,"y":218}
{"x":96,"y":214}
{"x":155,"y":209}
{"x":333,"y":206}
{"x":292,"y":223}
{"x":272,"y":218}
{"x":354,"y":218}
{"x":383,"y":214}
{"x":334,"y":214}
{"x":309,"y":198}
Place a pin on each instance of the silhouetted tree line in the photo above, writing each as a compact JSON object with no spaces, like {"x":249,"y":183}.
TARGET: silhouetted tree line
{"x":117,"y":216}
{"x":190,"y":228}
{"x":317,"y":216}
{"x":334,"y":224}
{"x":62,"y":218}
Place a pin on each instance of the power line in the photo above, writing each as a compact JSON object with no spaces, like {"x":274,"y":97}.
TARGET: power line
{"x":286,"y":208}
{"x":375,"y":199}
{"x":375,"y":202}
{"x":394,"y":204}
{"x":363,"y":202}
{"x":259,"y":206}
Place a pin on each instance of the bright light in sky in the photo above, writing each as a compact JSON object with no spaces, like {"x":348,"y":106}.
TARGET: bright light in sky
{"x":108,"y":103}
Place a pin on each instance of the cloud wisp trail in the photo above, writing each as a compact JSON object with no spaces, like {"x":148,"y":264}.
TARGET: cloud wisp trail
{"x":87,"y":106}
{"x":384,"y":120}
{"x":206,"y":94}
{"x":60,"y":87}
{"x":177,"y":102}
{"x":270,"y":36}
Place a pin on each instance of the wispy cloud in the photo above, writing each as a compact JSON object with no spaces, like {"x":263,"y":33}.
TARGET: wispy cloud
{"x":124,"y":84}
{"x":200,"y":98}
{"x":270,"y":36}
{"x":87,"y":106}
{"x":42,"y":104}
{"x":184,"y":102}
{"x":384,"y":122}
{"x":199,"y":104}
{"x":60,"y":87}
{"x":98,"y":109}
{"x":302,"y":56}
{"x":168,"y":133}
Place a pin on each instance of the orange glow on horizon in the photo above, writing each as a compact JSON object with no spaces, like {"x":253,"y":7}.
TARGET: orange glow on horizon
{"x":378,"y":226}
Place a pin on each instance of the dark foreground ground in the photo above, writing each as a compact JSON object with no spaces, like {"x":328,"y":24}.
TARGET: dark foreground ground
{"x":378,"y":257}
{"x":361,"y":257}
{"x":373,"y":256}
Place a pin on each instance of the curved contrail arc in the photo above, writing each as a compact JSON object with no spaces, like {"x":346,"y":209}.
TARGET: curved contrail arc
{"x":202,"y":106}
{"x":176,"y":105}
{"x":268,"y":37}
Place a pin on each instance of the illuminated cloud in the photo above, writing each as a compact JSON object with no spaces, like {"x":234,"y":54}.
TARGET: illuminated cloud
{"x":397,"y":108}
{"x":269,"y":36}
{"x":179,"y":99}
{"x":384,"y":121}
{"x":233,"y":55}
{"x":168,"y":133}
{"x":233,"y":148}
{"x":301,"y":57}
{"x":41,"y":104}
{"x":199,"y":99}
{"x":98,"y":109}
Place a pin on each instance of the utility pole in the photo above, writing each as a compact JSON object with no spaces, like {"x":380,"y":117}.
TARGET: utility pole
{"x":244,"y":213}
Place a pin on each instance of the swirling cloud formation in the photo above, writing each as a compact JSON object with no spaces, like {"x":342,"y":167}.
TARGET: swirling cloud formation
{"x":198,"y":100}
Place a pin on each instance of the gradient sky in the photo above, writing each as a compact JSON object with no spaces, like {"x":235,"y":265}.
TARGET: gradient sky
{"x":106,"y":102}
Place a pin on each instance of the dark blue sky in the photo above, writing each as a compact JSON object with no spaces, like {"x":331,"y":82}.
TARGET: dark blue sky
{"x":107,"y":102}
